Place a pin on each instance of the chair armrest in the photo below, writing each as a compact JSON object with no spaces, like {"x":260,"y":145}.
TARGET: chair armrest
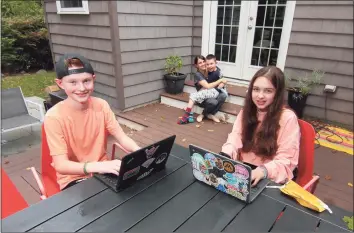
{"x":310,"y":186}
{"x":39,"y":183}
{"x":116,"y":144}
{"x":40,"y":108}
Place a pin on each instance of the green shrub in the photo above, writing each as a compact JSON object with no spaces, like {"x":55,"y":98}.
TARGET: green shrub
{"x":24,"y":37}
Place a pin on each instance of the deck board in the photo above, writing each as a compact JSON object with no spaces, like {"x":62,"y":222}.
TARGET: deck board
{"x":163,"y":123}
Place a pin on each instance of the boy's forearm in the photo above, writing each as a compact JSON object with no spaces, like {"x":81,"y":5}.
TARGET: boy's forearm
{"x":127,"y":142}
{"x":70,"y":167}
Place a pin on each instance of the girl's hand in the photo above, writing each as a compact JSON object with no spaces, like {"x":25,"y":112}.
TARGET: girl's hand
{"x":112,"y":166}
{"x":257,"y":175}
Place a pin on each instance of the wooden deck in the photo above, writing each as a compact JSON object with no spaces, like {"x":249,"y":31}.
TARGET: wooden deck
{"x":335,"y":169}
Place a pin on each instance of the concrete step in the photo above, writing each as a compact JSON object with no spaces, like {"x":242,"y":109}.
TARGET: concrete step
{"x":237,"y":93}
{"x":180,"y":101}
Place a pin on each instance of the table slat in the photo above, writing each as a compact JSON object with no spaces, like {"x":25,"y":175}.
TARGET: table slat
{"x":144,"y":203}
{"x":257,"y":216}
{"x":46,"y":209}
{"x":295,"y":220}
{"x":215,"y":215}
{"x":181,"y":152}
{"x":335,"y":218}
{"x":330,"y":228}
{"x":172,"y":214}
{"x":91,"y":209}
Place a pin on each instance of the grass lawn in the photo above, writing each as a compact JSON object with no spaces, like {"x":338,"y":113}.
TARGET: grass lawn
{"x":31,"y":84}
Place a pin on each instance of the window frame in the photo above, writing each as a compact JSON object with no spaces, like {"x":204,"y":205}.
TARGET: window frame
{"x":84,"y":10}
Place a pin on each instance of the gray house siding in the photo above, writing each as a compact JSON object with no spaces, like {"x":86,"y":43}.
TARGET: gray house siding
{"x":322,"y":38}
{"x":150,"y":31}
{"x":197,"y":31}
{"x":89,"y":35}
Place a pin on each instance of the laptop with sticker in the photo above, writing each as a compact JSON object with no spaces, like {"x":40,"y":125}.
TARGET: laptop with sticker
{"x":139,"y":164}
{"x":229,"y":176}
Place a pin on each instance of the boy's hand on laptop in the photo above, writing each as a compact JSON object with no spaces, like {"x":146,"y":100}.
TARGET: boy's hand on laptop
{"x":257,"y":175}
{"x":112,"y":166}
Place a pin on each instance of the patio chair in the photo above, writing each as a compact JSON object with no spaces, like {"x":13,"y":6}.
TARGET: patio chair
{"x":14,"y":114}
{"x":49,"y":186}
{"x":11,"y":199}
{"x":306,"y":177}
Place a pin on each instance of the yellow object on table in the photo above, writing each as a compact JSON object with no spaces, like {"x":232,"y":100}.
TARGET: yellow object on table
{"x":303,"y":197}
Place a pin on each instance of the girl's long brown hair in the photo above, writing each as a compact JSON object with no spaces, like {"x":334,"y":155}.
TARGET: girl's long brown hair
{"x":263,"y":141}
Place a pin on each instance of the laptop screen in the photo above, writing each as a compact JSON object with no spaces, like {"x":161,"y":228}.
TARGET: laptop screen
{"x":224,"y":174}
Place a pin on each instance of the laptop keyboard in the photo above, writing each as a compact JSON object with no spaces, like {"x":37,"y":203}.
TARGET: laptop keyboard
{"x":109,"y":179}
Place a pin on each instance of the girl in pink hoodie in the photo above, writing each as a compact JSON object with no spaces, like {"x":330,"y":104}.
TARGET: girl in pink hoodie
{"x":265,"y":133}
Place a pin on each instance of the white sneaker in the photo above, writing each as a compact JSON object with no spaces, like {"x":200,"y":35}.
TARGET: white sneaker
{"x":200,"y":118}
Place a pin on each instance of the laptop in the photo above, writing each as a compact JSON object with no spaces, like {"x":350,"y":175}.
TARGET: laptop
{"x":139,"y":164}
{"x":229,"y":176}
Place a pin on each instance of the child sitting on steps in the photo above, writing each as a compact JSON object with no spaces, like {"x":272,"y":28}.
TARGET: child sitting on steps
{"x":207,"y":91}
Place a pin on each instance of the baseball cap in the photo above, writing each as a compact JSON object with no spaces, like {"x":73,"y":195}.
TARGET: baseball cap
{"x":62,"y":69}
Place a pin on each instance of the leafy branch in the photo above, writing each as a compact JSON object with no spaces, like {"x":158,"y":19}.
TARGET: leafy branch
{"x":173,"y":64}
{"x":305,"y":83}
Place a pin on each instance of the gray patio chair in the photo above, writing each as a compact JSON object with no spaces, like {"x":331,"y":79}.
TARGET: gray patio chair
{"x":14,"y":111}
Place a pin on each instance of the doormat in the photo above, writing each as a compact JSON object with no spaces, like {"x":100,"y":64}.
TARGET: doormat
{"x":334,"y":137}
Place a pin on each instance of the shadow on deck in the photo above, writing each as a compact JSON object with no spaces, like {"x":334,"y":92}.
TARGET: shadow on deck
{"x":335,"y":168}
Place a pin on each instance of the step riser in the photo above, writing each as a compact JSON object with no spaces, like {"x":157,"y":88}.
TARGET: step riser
{"x":181,"y":105}
{"x":231,"y":99}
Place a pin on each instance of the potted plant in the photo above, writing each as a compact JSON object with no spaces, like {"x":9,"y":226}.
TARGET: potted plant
{"x":300,"y":88}
{"x":174,"y":81}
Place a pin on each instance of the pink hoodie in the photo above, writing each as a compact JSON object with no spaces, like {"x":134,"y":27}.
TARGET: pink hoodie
{"x":281,"y":167}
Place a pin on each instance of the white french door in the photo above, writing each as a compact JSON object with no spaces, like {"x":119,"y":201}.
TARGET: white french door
{"x":247,"y":35}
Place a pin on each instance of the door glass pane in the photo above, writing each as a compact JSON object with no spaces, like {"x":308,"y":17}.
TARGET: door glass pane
{"x":260,"y":15}
{"x":225,"y":53}
{"x":255,"y":55}
{"x":217,"y":52}
{"x":234,"y":35}
{"x":221,"y":2}
{"x":263,"y":58}
{"x":218,"y":34}
{"x":228,"y":2}
{"x":228,"y":19}
{"x":276,"y":38}
{"x":269,"y":20}
{"x":282,"y":2}
{"x":232,"y":54}
{"x":273,"y":57}
{"x":268,"y":30}
{"x":228,"y":15}
{"x":280,"y":16}
{"x":226,"y":35}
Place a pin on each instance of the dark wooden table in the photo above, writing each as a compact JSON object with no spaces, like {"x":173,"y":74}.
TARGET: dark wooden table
{"x":171,"y":200}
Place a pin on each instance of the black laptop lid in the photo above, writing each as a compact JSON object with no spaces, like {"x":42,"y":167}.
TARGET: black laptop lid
{"x":142,"y":163}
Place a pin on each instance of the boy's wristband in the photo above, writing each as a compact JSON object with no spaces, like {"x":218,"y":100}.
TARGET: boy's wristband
{"x":85,"y":171}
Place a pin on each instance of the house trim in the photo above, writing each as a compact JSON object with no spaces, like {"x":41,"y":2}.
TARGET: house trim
{"x":49,"y":34}
{"x":285,"y":40}
{"x":116,"y":54}
{"x":84,"y":10}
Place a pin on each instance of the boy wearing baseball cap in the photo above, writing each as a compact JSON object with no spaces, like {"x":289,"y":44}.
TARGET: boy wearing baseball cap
{"x":77,"y":127}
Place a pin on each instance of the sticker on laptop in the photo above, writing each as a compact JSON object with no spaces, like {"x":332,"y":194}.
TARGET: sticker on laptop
{"x":145,"y":174}
{"x":242,"y":172}
{"x":161,"y":158}
{"x":219,"y":164}
{"x":131,"y":173}
{"x":210,"y":160}
{"x":229,"y":167}
{"x":150,"y":152}
{"x":148,"y":162}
